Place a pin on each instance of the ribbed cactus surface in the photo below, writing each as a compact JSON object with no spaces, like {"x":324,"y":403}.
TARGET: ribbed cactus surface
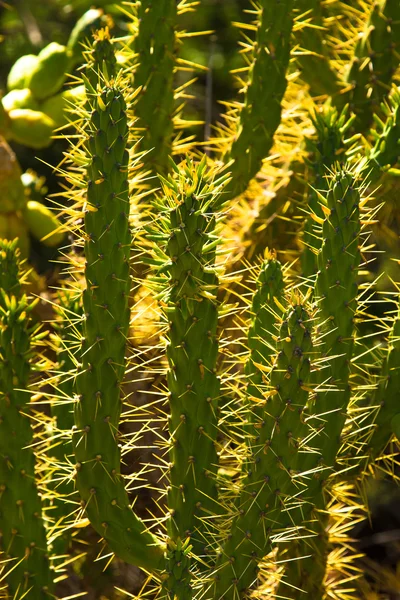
{"x":188,"y":220}
{"x":248,"y":380}
{"x":260,"y":113}
{"x":23,"y":537}
{"x":105,"y":301}
{"x":275,"y":442}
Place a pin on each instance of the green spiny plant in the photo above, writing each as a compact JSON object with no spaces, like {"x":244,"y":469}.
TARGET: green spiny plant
{"x":255,"y":442}
{"x":67,"y":342}
{"x":23,"y":537}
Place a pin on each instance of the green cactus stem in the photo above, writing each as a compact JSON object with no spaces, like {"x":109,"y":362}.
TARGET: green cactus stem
{"x":375,"y":61}
{"x":68,"y":343}
{"x":188,"y":284}
{"x":101,"y":62}
{"x":49,"y":74}
{"x":266,"y":311}
{"x":386,"y":396}
{"x":105,"y":327}
{"x":268,"y":486}
{"x":21,"y":72}
{"x":336,"y":288}
{"x":177,"y":585}
{"x":155,"y":44}
{"x":89,"y":22}
{"x":23,"y":537}
{"x":311,"y":56}
{"x":330,"y":128}
{"x":260,"y":113}
{"x":386,"y":150}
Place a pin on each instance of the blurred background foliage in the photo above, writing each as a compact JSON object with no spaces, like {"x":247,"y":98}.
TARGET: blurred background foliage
{"x":27,"y":26}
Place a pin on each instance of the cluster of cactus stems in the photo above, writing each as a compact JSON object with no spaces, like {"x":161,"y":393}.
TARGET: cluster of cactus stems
{"x":254,"y":442}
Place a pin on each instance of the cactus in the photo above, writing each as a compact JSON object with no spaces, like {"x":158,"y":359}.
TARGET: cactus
{"x":89,"y":22}
{"x":19,"y":99}
{"x":23,"y":535}
{"x":155,"y":43}
{"x":336,"y":288}
{"x":260,"y":114}
{"x":386,"y":150}
{"x":268,"y":418}
{"x":266,"y":308}
{"x":20,"y":74}
{"x":189,"y":289}
{"x":312,"y":56}
{"x":67,"y":342}
{"x":105,"y":300}
{"x":330,"y":128}
{"x":374,"y":63}
{"x":385,"y":397}
{"x":50,"y":72}
{"x":43,"y":224}
{"x":31,"y":127}
{"x":274,"y":443}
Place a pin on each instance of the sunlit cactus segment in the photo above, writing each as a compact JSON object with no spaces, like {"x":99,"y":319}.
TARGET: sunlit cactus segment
{"x":386,"y":150}
{"x":266,"y":309}
{"x":23,"y":537}
{"x":155,"y":44}
{"x":105,"y":301}
{"x":337,"y":287}
{"x":330,"y":128}
{"x":91,"y":20}
{"x":386,"y":397}
{"x":376,"y":58}
{"x":260,"y":113}
{"x":336,"y":294}
{"x":188,"y":283}
{"x":275,"y":442}
{"x":68,"y":343}
{"x":312,"y":56}
{"x":101,"y":62}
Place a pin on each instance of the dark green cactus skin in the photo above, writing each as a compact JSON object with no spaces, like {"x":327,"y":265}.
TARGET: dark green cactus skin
{"x":105,"y":301}
{"x":69,"y":330}
{"x":375,"y":60}
{"x":23,"y":537}
{"x":386,"y":151}
{"x":336,"y":286}
{"x":156,"y":45}
{"x":190,"y":282}
{"x":102,"y":64}
{"x":276,"y":438}
{"x":270,"y":286}
{"x":177,"y":584}
{"x":387,"y":393}
{"x":306,"y":563}
{"x":330,"y":129}
{"x":261,"y":111}
{"x":91,"y":20}
{"x":312,"y":59}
